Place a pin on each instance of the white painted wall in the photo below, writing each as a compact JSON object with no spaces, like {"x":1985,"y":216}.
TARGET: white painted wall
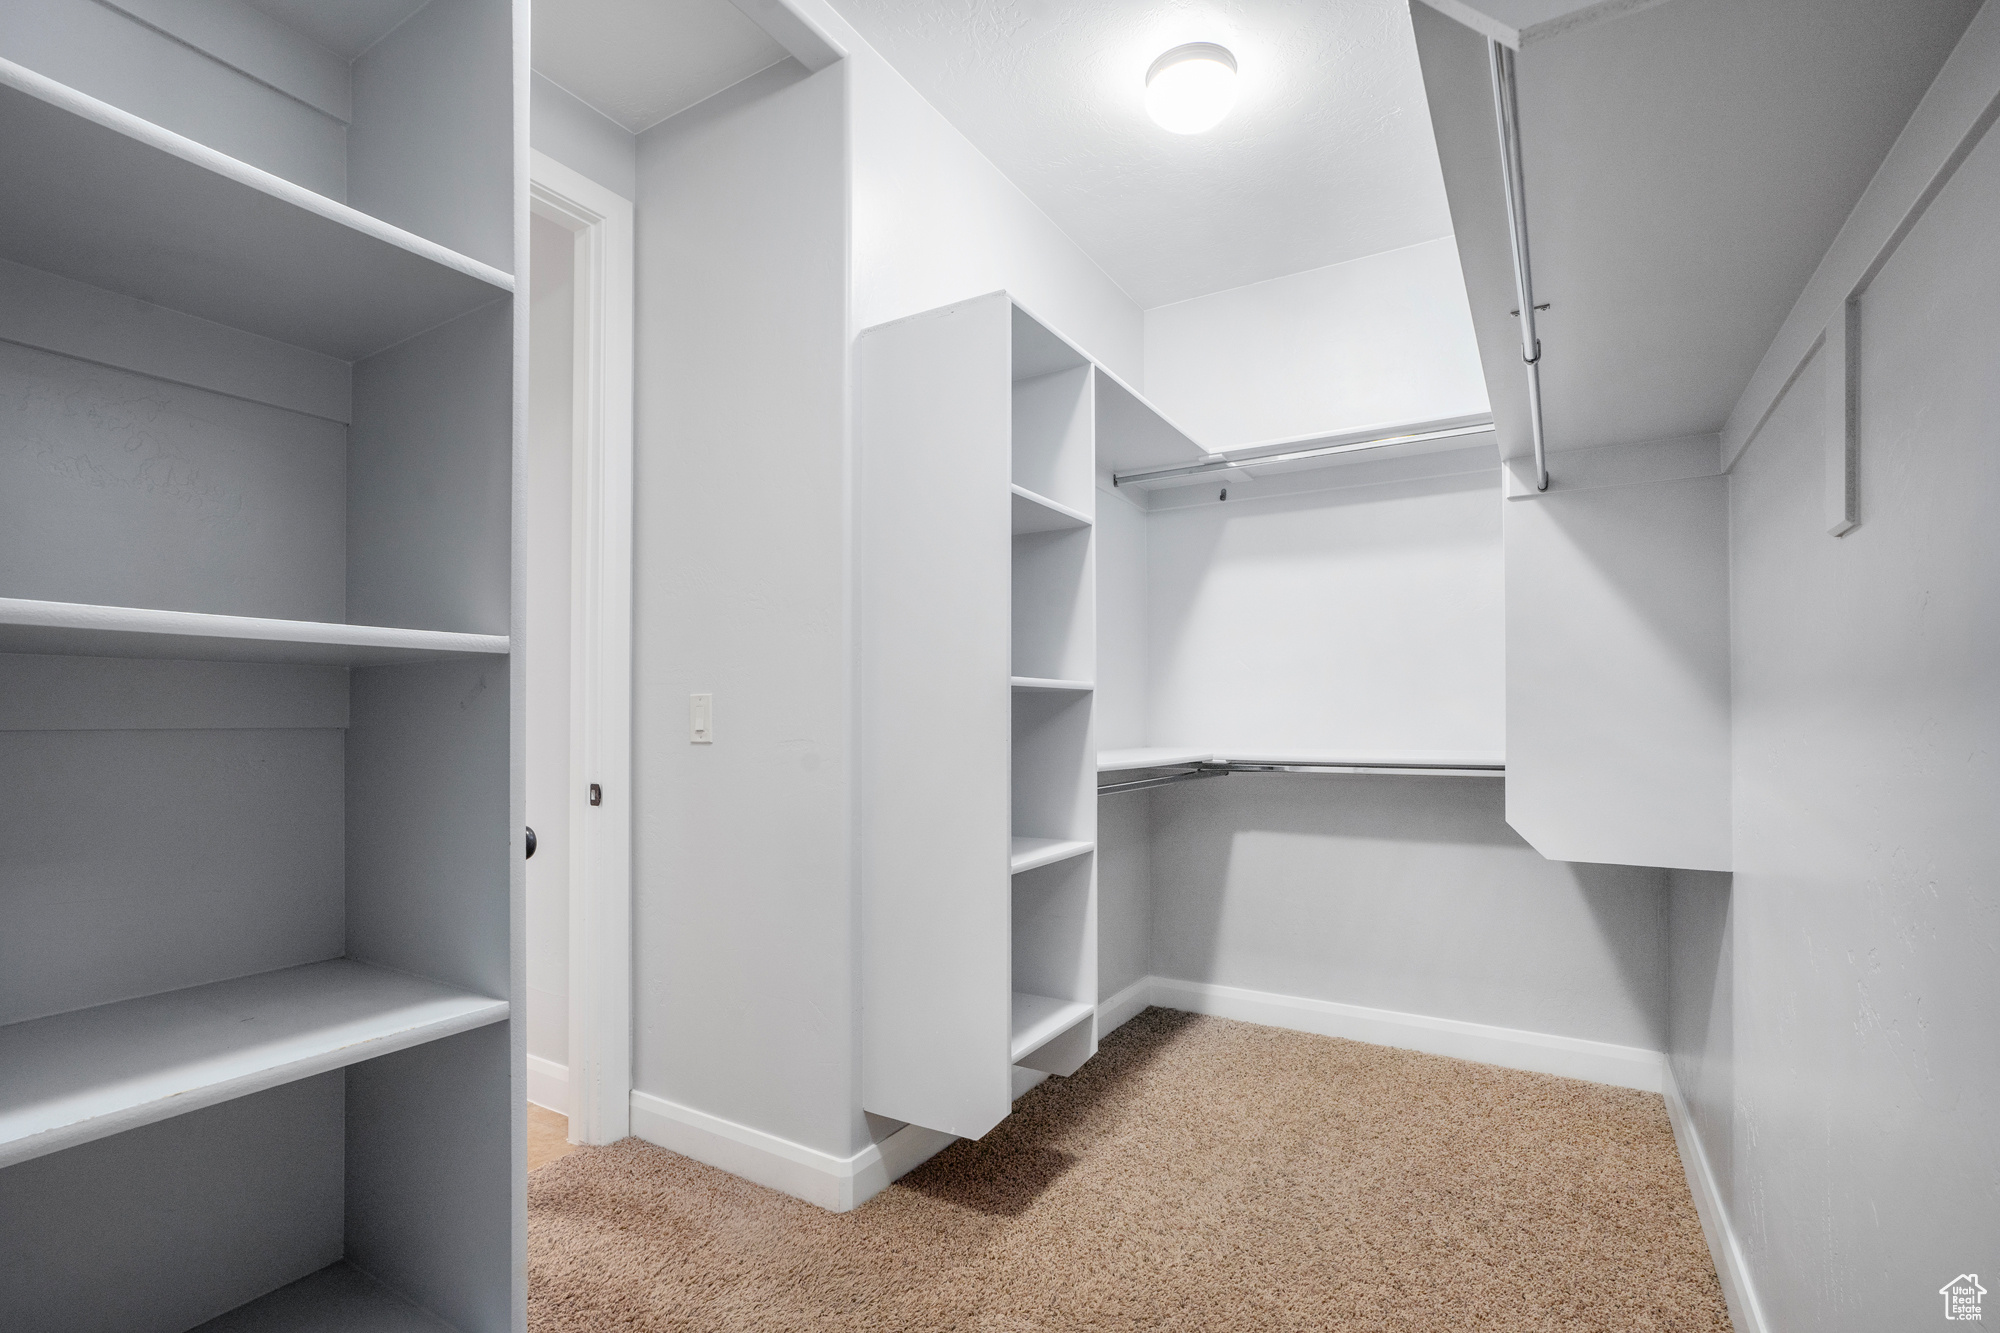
{"x":1842,"y":993}
{"x":1381,"y":340}
{"x":1362,"y":618}
{"x":744,"y":968}
{"x":936,"y":222}
{"x":546,"y":488}
{"x":581,"y":137}
{"x":1402,"y":893}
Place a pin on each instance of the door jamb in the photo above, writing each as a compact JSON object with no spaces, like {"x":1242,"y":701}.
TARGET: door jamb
{"x":600,"y":720}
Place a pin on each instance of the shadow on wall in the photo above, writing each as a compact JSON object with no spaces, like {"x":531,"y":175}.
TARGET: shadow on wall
{"x":1403,"y":893}
{"x":1701,"y":1008}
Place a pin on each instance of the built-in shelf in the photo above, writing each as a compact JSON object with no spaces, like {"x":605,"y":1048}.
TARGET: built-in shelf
{"x":1034,"y":853}
{"x":1038,"y":513}
{"x":79,"y":1076}
{"x":76,"y":630}
{"x":1117,"y":761}
{"x":1039,"y":1020}
{"x":1457,"y":763}
{"x":99,"y":195}
{"x":1049,"y":683}
{"x":337,"y":1299}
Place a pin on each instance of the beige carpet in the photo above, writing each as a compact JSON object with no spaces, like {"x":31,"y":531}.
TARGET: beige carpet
{"x":1198,"y":1174}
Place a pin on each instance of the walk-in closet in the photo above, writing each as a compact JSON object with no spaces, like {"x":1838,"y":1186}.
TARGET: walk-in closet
{"x":889,"y":666}
{"x":258,"y":941}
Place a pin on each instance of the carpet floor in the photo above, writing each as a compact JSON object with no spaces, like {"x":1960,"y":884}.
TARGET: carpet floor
{"x":1198,"y":1174}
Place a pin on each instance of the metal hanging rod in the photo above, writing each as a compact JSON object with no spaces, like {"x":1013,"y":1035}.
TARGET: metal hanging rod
{"x":1350,"y":446}
{"x":1182,"y":773}
{"x":1507,"y":111}
{"x":1222,"y":769}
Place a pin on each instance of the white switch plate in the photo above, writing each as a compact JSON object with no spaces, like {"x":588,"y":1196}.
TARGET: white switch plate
{"x":701,"y":719}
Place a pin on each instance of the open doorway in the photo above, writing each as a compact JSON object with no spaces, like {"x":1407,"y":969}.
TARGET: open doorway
{"x":577,"y":512}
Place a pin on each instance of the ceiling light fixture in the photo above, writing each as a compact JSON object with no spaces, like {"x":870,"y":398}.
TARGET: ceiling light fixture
{"x":1191,"y":88}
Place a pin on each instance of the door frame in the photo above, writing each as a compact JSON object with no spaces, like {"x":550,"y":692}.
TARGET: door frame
{"x":600,"y":714}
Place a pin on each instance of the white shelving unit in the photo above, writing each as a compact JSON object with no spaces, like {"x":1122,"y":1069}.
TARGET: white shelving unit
{"x":978,"y":639}
{"x":260,"y":793}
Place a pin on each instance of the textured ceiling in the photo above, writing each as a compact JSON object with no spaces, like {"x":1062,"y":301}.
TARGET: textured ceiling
{"x":1328,"y":155}
{"x":640,"y":61}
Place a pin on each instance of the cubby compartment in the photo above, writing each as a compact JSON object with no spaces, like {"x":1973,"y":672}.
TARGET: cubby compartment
{"x":1054,"y":605}
{"x":136,"y":141}
{"x":1051,"y":420}
{"x":1055,"y":964}
{"x":1054,"y":772}
{"x":264,"y":1211}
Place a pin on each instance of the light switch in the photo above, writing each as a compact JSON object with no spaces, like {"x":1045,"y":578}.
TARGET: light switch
{"x":701,"y":719}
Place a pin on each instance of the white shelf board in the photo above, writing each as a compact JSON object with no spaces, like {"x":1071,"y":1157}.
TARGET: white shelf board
{"x":1389,"y":759}
{"x":1033,"y":853}
{"x":337,"y":1299}
{"x":97,"y":194}
{"x":1039,"y":1020}
{"x":1133,"y":435}
{"x":1119,"y":761}
{"x":1038,"y":513}
{"x":1049,"y":683}
{"x":74,"y":629}
{"x":1459,"y":761}
{"x":71,"y":1078}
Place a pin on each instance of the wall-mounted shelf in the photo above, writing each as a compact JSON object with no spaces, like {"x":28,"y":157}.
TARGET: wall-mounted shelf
{"x":1038,"y":513}
{"x":99,"y":195}
{"x":1034,"y":853}
{"x":73,"y":629}
{"x":1482,"y":763}
{"x":1048,"y":683}
{"x":1039,"y":1020}
{"x":71,"y":1078}
{"x":338,"y":1299}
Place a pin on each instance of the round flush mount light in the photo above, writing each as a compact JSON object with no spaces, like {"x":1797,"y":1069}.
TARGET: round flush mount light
{"x":1191,"y":88}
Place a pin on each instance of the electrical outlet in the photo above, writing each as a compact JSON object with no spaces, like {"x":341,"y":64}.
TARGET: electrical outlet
{"x":701,"y":719}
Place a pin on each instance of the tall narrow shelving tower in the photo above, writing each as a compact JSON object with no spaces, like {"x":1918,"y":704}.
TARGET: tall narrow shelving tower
{"x":975,"y":657}
{"x":260,"y":796}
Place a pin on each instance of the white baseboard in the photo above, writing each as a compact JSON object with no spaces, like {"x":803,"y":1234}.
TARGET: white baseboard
{"x":1511,"y":1048}
{"x":548,"y":1084}
{"x":837,"y":1184}
{"x":1117,"y":1010}
{"x":1723,"y":1247}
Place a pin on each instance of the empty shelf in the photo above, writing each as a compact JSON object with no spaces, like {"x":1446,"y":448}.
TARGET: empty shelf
{"x":1038,"y":513}
{"x":1039,"y":1020}
{"x":99,"y":195}
{"x":1031,"y":853}
{"x":1117,"y":761}
{"x":76,"y":630}
{"x":337,"y":1299}
{"x":1049,"y":683}
{"x":1443,"y":761}
{"x":90,"y":1073}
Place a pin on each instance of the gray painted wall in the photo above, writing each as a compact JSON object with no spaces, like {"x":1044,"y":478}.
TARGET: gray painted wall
{"x":1402,"y":893}
{"x":1835,"y":1007}
{"x":583,"y":138}
{"x":744,"y":983}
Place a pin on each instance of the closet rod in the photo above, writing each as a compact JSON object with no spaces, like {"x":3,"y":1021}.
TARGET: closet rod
{"x":1396,"y":770}
{"x":1222,"y":769}
{"x":1404,"y":436}
{"x":1203,"y":770}
{"x":1507,"y":111}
